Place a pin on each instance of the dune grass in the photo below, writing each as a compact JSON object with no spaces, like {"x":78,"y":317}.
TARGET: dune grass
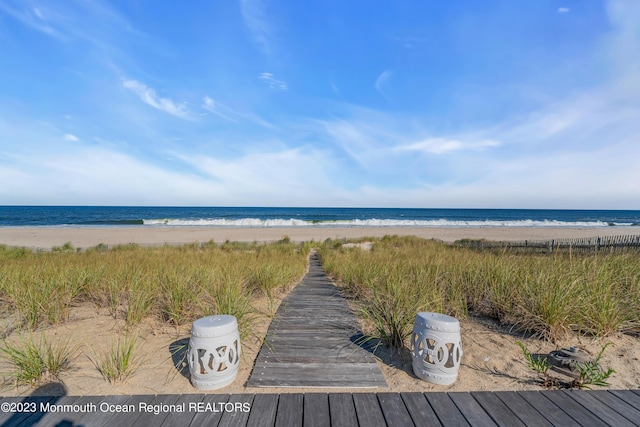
{"x":176,"y":284}
{"x":546,"y":295}
{"x":119,"y":362}
{"x":34,"y":361}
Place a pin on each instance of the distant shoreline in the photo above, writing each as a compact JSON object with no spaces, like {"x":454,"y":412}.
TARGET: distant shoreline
{"x":45,"y":237}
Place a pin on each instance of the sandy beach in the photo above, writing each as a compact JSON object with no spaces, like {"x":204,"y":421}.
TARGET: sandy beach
{"x":79,"y":237}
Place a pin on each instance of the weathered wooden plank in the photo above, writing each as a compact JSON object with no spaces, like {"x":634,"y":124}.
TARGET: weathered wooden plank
{"x":239,"y":415}
{"x":622,"y":407}
{"x":395,"y":413}
{"x":129,"y":411}
{"x":336,"y":351}
{"x":27,"y":417}
{"x":496,"y":409}
{"x":315,"y":383}
{"x":447,"y":412}
{"x":420,"y":410}
{"x":290,"y":410}
{"x":314,"y":350}
{"x":368,"y":410}
{"x":316,"y":410}
{"x":579,"y":413}
{"x":320,"y":340}
{"x":89,"y":417}
{"x":342,"y":410}
{"x":628,"y":396}
{"x":548,"y":409}
{"x":472,"y":410}
{"x":279,"y":358}
{"x":101,"y":418}
{"x":5,"y":415}
{"x":52,"y":418}
{"x":602,"y":411}
{"x":310,"y":338}
{"x":523,"y":410}
{"x":263,"y":410}
{"x":212,"y":410}
{"x":180,"y":419}
{"x":150,"y":414}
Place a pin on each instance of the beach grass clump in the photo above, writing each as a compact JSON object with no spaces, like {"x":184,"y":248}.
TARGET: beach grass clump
{"x":8,"y":252}
{"x":118,"y":363}
{"x":44,"y":292}
{"x":67,"y":247}
{"x":34,"y":361}
{"x":179,"y":289}
{"x":548,"y":295}
{"x":175,"y":284}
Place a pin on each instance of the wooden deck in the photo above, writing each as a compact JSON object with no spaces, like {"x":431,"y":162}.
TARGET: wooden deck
{"x":527,"y":408}
{"x":310,"y":342}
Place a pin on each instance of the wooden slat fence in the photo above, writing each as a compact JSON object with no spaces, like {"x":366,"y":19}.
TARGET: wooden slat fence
{"x":607,"y":244}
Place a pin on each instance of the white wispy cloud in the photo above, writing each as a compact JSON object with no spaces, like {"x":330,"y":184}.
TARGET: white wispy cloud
{"x":71,"y":137}
{"x":445,"y":145}
{"x":31,"y":16}
{"x":149,"y":97}
{"x":255,"y":18}
{"x":381,"y":82}
{"x":563,"y":10}
{"x":225,"y":112}
{"x":272,"y":82}
{"x":219,"y":109}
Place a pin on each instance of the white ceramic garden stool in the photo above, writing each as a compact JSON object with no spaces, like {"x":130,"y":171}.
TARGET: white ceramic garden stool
{"x":214,"y":352}
{"x":436,"y":348}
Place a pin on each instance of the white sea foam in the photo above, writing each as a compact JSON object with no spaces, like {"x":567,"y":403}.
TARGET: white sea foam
{"x":373,"y":222}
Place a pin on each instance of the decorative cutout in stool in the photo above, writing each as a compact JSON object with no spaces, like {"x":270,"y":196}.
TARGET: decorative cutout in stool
{"x":436,"y":348}
{"x":214,"y":352}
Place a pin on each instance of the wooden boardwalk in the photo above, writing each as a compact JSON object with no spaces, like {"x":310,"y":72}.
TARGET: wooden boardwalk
{"x":310,"y":342}
{"x":527,"y":408}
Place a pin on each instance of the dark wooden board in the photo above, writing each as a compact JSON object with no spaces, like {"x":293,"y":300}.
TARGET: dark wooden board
{"x":290,"y":410}
{"x":395,"y":413}
{"x":100,"y":418}
{"x":316,"y":410}
{"x":447,"y":411}
{"x":52,"y":418}
{"x":128,"y":417}
{"x":617,"y":404}
{"x":501,"y":414}
{"x":152,"y":418}
{"x":578,"y":412}
{"x":523,"y":410}
{"x":237,"y":417}
{"x":602,"y":411}
{"x":263,"y":410}
{"x":342,"y":410}
{"x":210,"y":418}
{"x":540,"y":408}
{"x":472,"y":410}
{"x":180,"y":419}
{"x":368,"y":410}
{"x":548,"y":409}
{"x":420,"y":410}
{"x":17,"y":418}
{"x":628,"y":396}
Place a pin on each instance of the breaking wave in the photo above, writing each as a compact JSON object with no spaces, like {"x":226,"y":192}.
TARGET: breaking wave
{"x":265,"y":223}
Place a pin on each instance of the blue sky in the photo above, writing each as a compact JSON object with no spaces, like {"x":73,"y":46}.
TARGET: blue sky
{"x":492,"y":104}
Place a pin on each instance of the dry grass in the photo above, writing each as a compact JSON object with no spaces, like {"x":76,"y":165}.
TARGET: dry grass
{"x":547,"y":295}
{"x":175,"y":284}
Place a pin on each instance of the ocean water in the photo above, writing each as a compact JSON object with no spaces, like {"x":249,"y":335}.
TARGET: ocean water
{"x":122,"y":216}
